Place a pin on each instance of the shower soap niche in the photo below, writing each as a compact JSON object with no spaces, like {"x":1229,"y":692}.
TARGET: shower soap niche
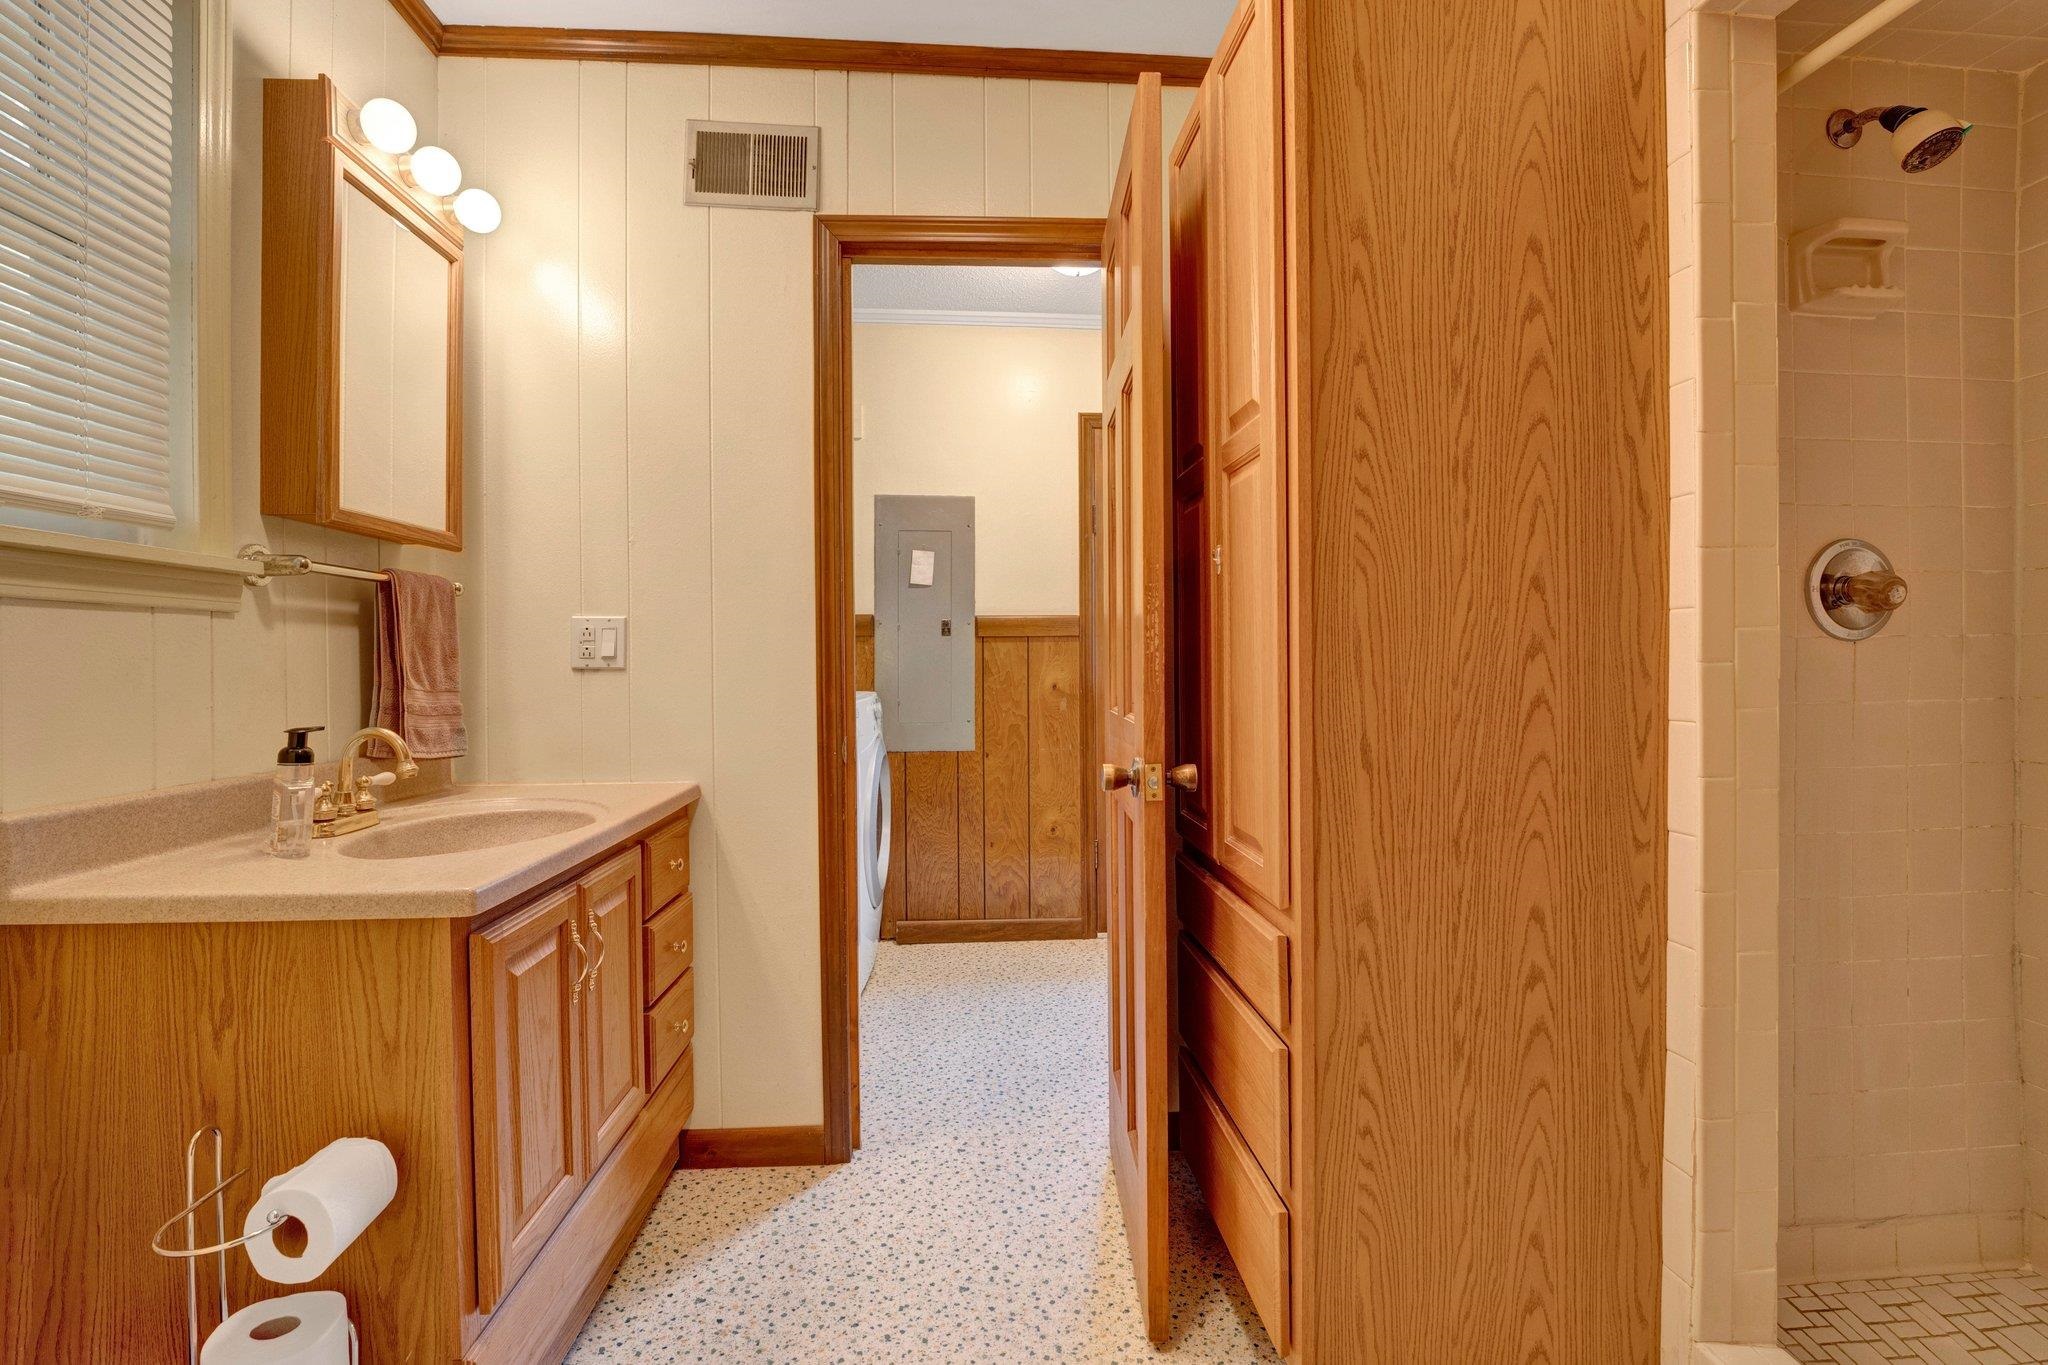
{"x":1848,"y":268}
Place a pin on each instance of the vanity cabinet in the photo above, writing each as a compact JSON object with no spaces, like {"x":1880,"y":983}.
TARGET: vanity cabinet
{"x":502,"y":1054}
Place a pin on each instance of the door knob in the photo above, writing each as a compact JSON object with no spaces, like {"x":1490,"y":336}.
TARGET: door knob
{"x":1185,"y":776}
{"x":1114,"y":777}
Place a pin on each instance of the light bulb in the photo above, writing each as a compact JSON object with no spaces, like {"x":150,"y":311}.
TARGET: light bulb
{"x":1077,"y":271}
{"x":435,"y":171}
{"x":388,"y":126}
{"x":478,"y":210}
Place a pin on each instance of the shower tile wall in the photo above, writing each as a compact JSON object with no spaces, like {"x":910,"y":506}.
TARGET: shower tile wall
{"x":1900,"y":1137}
{"x":2031,"y":367}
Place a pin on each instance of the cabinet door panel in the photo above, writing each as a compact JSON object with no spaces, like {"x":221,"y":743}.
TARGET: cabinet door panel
{"x":1247,"y":481}
{"x":526,"y":1034}
{"x":614,"y":1085}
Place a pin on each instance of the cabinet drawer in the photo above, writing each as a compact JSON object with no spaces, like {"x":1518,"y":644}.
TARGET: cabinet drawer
{"x":1244,"y":943}
{"x":671,"y":1025}
{"x":1244,"y":1062}
{"x":667,"y":946}
{"x":668,"y":864}
{"x":1249,"y":1215}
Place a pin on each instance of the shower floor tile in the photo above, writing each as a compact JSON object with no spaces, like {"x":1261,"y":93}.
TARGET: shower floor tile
{"x":1985,"y":1317}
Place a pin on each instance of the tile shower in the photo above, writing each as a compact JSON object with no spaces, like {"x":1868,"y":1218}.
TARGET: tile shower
{"x":1857,"y":957}
{"x":1902,"y":1115}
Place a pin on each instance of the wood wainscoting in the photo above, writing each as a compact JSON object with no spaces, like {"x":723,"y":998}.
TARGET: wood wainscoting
{"x":993,"y":844}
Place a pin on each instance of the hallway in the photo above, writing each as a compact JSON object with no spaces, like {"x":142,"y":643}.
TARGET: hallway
{"x":977,"y":1223}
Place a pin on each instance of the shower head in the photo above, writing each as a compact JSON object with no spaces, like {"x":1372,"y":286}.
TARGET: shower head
{"x":1921,"y":138}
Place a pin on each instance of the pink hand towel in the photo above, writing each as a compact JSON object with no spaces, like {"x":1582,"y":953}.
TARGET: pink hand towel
{"x":417,"y":688}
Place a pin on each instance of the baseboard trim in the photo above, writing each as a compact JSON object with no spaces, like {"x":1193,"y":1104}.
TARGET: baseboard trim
{"x":715,"y":1148}
{"x":988,"y":930}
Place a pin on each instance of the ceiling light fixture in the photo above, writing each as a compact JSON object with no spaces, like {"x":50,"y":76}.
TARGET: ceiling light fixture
{"x":1078,"y":271}
{"x":434,"y":170}
{"x":388,"y":126}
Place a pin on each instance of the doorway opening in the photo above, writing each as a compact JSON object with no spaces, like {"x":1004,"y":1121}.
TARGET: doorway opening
{"x":968,"y":547}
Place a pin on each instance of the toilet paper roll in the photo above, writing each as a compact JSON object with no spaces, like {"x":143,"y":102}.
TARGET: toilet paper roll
{"x":334,"y":1194}
{"x":297,"y":1329}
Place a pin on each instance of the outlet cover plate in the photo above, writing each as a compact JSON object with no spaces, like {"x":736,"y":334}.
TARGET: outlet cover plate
{"x":597,"y":643}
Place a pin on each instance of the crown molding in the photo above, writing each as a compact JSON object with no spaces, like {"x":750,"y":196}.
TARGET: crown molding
{"x":816,"y":54}
{"x":423,"y":21}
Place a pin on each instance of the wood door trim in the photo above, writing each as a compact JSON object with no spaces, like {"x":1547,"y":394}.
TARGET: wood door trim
{"x":1087,"y":435}
{"x":716,"y":1148}
{"x":839,"y":241}
{"x":767,"y":50}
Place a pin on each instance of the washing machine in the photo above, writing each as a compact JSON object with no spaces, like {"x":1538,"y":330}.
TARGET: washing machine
{"x":871,"y":793}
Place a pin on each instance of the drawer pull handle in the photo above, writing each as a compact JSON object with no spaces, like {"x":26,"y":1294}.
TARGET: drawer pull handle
{"x":676,"y":864}
{"x":583,"y":956}
{"x":681,"y":945}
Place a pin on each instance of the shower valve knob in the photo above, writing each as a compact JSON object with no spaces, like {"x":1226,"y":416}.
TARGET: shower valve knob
{"x":1874,"y":591}
{"x":1852,"y":589}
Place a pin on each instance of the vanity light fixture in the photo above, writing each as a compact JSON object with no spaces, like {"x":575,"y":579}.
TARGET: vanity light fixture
{"x":478,"y":210}
{"x":388,"y":126}
{"x":1078,"y":271}
{"x":434,"y":170}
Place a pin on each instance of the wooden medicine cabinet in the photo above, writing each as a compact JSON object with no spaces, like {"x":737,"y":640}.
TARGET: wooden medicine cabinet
{"x":362,"y":329}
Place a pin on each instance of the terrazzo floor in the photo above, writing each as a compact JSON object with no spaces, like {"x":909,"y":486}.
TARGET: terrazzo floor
{"x":1986,"y":1317}
{"x":978,"y":1221}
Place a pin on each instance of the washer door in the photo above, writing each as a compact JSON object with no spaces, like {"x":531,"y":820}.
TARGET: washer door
{"x":874,"y":860}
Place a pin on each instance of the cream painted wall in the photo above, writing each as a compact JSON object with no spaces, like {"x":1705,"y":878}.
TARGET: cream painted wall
{"x":639,"y":394}
{"x":988,"y":413}
{"x":97,"y":701}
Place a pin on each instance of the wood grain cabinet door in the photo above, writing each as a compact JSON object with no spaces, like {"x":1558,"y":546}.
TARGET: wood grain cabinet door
{"x":1247,"y":494}
{"x":526,"y":1040}
{"x":614,"y":1081}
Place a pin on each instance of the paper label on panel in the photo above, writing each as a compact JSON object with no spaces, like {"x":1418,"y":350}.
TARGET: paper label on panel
{"x":921,"y":565}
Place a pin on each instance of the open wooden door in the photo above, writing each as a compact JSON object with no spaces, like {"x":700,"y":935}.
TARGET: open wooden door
{"x":1132,"y":572}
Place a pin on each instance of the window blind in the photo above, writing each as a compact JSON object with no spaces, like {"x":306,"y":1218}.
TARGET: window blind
{"x":86,"y":152}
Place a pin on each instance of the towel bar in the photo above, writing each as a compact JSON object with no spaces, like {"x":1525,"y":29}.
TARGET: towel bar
{"x":291,"y":566}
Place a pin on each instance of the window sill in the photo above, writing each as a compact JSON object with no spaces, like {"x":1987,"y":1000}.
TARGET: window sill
{"x":51,"y":567}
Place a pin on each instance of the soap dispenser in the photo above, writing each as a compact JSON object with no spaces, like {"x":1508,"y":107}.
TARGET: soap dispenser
{"x":291,"y":796}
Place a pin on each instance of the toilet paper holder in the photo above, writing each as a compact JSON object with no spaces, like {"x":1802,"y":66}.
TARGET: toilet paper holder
{"x":222,"y":1245}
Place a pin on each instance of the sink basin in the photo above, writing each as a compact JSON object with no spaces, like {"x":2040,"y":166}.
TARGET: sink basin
{"x":461,"y":827}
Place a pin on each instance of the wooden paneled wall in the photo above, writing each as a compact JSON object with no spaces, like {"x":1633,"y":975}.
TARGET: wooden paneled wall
{"x":991,"y":844}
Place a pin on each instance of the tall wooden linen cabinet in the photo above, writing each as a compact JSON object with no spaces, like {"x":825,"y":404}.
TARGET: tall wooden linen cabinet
{"x":1420,"y":471}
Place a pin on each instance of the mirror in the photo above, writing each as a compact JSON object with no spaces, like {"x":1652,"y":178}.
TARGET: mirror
{"x":362,"y":329}
{"x":394,"y":368}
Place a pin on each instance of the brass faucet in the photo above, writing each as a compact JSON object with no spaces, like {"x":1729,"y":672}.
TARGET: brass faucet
{"x":348,"y":804}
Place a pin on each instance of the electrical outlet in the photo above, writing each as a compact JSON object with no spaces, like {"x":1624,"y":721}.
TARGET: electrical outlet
{"x":597,"y":643}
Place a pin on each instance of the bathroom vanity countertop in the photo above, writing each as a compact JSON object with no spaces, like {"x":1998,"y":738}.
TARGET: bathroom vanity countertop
{"x":229,"y":878}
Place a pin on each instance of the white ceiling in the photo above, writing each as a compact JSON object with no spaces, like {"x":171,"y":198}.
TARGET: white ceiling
{"x":1189,"y":28}
{"x":1004,"y":290}
{"x":1984,"y":35}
